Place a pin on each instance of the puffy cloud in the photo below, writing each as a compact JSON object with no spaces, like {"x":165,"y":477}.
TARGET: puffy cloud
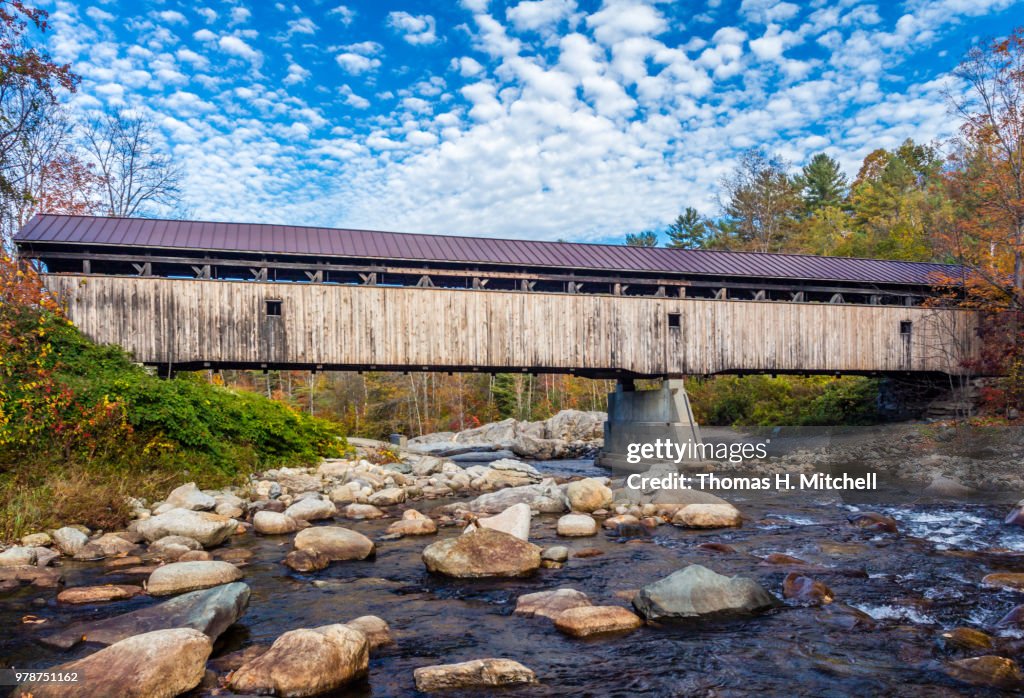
{"x":468,"y":67}
{"x":415,"y":29}
{"x":352,"y":99}
{"x":296,"y":75}
{"x":302,"y":25}
{"x":236,"y":47}
{"x":208,"y":14}
{"x":239,"y":15}
{"x":356,"y":63}
{"x":531,"y":15}
{"x":621,"y":19}
{"x":171,"y":17}
{"x":344,"y":14}
{"x":204,"y":35}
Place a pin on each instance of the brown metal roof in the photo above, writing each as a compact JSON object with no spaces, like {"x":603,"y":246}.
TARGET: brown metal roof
{"x":149,"y":234}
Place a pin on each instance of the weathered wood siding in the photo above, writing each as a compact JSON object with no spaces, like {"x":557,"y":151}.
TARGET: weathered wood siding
{"x":178,"y":321}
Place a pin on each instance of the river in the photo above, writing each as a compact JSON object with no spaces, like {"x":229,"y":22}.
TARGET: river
{"x":914,"y":589}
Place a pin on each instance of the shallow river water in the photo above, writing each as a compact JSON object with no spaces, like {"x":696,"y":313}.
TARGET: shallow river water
{"x":915,"y":587}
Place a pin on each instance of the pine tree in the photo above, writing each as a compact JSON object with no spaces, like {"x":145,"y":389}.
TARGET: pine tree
{"x":647,"y":238}
{"x":689,"y":230}
{"x":822,"y":183}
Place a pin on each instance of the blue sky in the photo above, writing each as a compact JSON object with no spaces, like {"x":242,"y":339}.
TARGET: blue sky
{"x":538,"y":119}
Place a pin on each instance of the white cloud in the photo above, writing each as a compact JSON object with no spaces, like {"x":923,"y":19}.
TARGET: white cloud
{"x":239,"y":15}
{"x":236,"y":47}
{"x":296,"y":75}
{"x":188,"y":56}
{"x":204,"y":35}
{"x":467,"y":67}
{"x":616,"y":21}
{"x":356,"y":63}
{"x":208,"y":14}
{"x":302,"y":25}
{"x":344,"y":14}
{"x":352,"y":99}
{"x":98,"y":15}
{"x":415,"y":29}
{"x":171,"y":17}
{"x":531,"y":15}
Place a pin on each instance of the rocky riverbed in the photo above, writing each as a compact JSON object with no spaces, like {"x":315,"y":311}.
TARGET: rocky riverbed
{"x":354,"y":578}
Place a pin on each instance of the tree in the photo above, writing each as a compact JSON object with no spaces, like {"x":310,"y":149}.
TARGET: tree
{"x":762,"y":200}
{"x":821,"y":183}
{"x":45,"y":174}
{"x":990,"y":151}
{"x":137,"y":176}
{"x":689,"y":230}
{"x":647,"y":238}
{"x":30,"y":82}
{"x":896,"y":203}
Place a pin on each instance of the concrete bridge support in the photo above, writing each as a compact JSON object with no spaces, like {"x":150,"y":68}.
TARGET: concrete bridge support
{"x":643,"y":416}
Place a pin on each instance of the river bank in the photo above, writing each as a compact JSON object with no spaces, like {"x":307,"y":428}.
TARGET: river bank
{"x":909,"y":602}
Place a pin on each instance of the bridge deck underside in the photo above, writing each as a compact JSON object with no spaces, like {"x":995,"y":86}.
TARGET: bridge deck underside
{"x":185,"y":323}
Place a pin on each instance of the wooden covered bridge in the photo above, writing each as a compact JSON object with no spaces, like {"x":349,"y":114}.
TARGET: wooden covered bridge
{"x":183,"y":295}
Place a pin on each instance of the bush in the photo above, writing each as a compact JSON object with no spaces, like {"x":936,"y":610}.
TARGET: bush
{"x":783,"y":401}
{"x":73,"y":412}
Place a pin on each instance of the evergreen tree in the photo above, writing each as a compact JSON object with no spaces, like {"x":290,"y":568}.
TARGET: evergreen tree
{"x":822,"y":183}
{"x":647,"y":238}
{"x":689,"y":230}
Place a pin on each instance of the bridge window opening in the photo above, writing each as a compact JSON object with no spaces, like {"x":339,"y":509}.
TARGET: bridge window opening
{"x":906,"y":326}
{"x":674,"y":320}
{"x":273,"y":308}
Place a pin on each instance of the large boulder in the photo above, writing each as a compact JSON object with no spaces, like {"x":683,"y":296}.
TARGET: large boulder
{"x":335,"y":542}
{"x":584,"y":621}
{"x":478,"y":673}
{"x":188,"y":496}
{"x":588,"y":495}
{"x":312,"y":509}
{"x":158,"y":664}
{"x":69,"y":540}
{"x":697,"y":591}
{"x":550,"y":604}
{"x":210,"y":611}
{"x":575,"y":425}
{"x":544,"y":498}
{"x":482,"y":553}
{"x":179,"y":577}
{"x":209,"y":529}
{"x":271,"y":523}
{"x":514,"y":521}
{"x":17,"y":556}
{"x":305,"y":662}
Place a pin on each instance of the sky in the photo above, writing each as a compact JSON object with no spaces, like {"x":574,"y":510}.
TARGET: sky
{"x":539,"y":119}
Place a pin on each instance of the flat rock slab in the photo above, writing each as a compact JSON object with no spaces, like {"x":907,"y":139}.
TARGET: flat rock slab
{"x":482,"y":553}
{"x":210,"y":611}
{"x":478,"y":673}
{"x":1005,"y":580}
{"x":179,"y":577}
{"x":584,"y":621}
{"x":96,"y":594}
{"x":550,"y":604}
{"x":159,"y":664}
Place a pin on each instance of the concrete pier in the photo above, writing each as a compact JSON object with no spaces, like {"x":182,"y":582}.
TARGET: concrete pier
{"x":642,"y":416}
